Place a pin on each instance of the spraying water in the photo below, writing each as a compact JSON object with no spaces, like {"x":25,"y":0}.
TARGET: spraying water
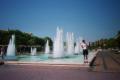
{"x":58,"y":50}
{"x":47,"y":48}
{"x":11,"y":47}
{"x":33,"y":51}
{"x":78,"y":48}
{"x":70,"y":44}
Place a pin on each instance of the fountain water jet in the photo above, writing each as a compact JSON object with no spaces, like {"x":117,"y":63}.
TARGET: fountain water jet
{"x":70,"y":44}
{"x":47,"y":48}
{"x":58,"y":50}
{"x":11,"y":47}
{"x":33,"y":51}
{"x":78,"y":48}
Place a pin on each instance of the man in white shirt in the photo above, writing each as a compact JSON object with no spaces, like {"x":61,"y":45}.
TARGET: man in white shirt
{"x":85,"y":51}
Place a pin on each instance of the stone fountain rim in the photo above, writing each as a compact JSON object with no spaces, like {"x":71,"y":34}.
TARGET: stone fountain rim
{"x":47,"y":64}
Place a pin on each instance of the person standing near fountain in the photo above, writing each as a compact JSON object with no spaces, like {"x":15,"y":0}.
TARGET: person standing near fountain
{"x":2,"y":52}
{"x":85,"y":51}
{"x":2,"y":55}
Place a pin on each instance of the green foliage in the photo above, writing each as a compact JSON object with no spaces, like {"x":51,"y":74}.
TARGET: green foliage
{"x":118,"y":39}
{"x":107,"y":43}
{"x":22,"y":38}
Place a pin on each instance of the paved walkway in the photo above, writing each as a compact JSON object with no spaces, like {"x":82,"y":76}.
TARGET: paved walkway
{"x":35,"y":72}
{"x":107,"y":61}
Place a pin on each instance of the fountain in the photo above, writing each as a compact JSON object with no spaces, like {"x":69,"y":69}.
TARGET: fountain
{"x":47,"y":48}
{"x":70,"y":44}
{"x":58,"y":50}
{"x":61,"y":56}
{"x":33,"y":51}
{"x":11,"y":49}
{"x":78,"y":48}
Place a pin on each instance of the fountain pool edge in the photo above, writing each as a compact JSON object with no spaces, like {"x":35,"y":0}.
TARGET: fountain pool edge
{"x":46,"y":64}
{"x":40,"y":63}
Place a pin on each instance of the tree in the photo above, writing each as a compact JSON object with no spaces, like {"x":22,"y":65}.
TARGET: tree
{"x":118,"y":39}
{"x":23,"y":38}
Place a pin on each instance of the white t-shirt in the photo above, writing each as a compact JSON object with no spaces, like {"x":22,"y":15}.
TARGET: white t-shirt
{"x":84,"y":46}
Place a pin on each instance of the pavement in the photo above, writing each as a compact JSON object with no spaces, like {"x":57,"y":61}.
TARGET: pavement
{"x":105,"y":67}
{"x":107,"y":61}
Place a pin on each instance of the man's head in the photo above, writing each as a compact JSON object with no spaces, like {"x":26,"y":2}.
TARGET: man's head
{"x":83,"y":41}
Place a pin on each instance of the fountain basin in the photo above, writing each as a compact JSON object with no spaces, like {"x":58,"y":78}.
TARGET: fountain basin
{"x":43,"y":60}
{"x":10,"y":58}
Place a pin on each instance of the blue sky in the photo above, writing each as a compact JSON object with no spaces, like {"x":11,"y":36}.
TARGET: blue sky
{"x":90,"y":19}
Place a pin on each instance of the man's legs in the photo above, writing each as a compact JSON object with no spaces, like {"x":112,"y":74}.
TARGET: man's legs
{"x":86,"y":56}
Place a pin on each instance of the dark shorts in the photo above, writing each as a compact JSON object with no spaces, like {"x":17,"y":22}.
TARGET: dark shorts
{"x":85,"y":52}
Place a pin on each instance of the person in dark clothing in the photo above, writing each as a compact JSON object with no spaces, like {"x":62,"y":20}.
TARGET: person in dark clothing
{"x":2,"y":52}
